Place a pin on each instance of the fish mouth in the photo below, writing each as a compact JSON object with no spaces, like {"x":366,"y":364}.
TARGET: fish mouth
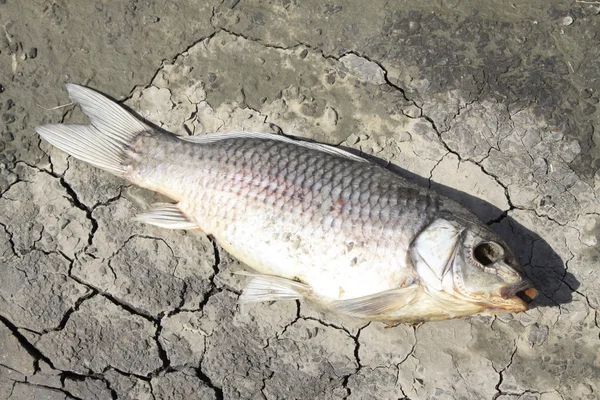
{"x":519,"y":296}
{"x":527,"y":295}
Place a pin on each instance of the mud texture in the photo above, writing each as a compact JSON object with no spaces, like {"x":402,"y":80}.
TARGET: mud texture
{"x":495,"y":104}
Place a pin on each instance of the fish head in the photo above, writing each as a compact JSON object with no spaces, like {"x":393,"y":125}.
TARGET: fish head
{"x":470,"y":269}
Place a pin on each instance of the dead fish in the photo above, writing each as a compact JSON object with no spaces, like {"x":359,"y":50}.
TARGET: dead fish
{"x":314,"y":221}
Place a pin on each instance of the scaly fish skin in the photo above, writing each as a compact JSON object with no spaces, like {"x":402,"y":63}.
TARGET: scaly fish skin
{"x":314,"y":221}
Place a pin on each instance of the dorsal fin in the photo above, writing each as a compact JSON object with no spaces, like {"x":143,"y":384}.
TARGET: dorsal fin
{"x":213,"y":137}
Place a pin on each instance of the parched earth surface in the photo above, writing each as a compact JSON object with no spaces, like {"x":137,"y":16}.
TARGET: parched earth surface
{"x":495,"y":104}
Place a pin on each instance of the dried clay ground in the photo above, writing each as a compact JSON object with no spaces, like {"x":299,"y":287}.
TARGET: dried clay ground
{"x":493,"y":103}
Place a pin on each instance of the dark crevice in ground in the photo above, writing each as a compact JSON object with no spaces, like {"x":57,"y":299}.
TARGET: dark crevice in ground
{"x":268,"y":45}
{"x":67,"y":112}
{"x":297,"y":317}
{"x":111,"y":199}
{"x":386,"y":79}
{"x":162,"y":353}
{"x":212,"y":291}
{"x":264,"y":383}
{"x":116,"y":301}
{"x":128,"y":307}
{"x":113,"y":392}
{"x":28,"y":346}
{"x":63,"y":322}
{"x":12,"y":389}
{"x":124,"y":373}
{"x":179,"y":306}
{"x":54,"y":389}
{"x":204,"y":378}
{"x":433,"y":169}
{"x":347,"y":377}
{"x":355,"y":338}
{"x":462,"y":159}
{"x":38,"y":356}
{"x":72,"y":197}
{"x":212,"y":285}
{"x":337,"y":58}
{"x":9,"y":368}
{"x":273,"y":126}
{"x":501,"y":374}
{"x":152,"y":391}
{"x":77,"y":203}
{"x":328,"y":324}
{"x":10,"y":238}
{"x":500,"y":217}
{"x":217,"y":263}
{"x":10,"y":185}
{"x":414,"y":346}
{"x":100,"y":378}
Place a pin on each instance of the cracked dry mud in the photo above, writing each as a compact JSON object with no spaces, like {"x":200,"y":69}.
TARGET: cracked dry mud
{"x":494,"y":104}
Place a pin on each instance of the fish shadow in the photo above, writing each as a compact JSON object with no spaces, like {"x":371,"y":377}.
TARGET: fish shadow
{"x":543,"y":266}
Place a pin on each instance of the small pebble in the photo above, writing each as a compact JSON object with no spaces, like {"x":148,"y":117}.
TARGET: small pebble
{"x":568,"y":20}
{"x":414,"y":26}
{"x":32,"y":53}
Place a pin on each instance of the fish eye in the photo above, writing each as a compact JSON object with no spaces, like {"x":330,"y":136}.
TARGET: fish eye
{"x":487,"y":253}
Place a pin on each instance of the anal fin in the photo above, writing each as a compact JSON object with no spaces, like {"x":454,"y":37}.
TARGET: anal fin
{"x":168,"y":216}
{"x":378,"y":305}
{"x":269,"y":288}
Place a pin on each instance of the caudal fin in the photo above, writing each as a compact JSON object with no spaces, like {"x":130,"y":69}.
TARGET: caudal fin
{"x":105,"y":141}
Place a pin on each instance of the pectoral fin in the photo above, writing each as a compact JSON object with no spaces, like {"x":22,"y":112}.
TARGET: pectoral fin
{"x":270,"y":288}
{"x":378,"y":305}
{"x":166,"y":216}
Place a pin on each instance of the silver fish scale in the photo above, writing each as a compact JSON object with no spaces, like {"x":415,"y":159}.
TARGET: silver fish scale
{"x":300,"y":181}
{"x":292,"y":211}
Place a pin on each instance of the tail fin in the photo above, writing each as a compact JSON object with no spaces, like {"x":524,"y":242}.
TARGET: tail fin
{"x":102,"y":144}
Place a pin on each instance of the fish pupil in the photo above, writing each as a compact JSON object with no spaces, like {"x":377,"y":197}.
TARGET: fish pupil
{"x":487,"y":253}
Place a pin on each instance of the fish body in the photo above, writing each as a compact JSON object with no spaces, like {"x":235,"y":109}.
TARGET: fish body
{"x":314,"y":221}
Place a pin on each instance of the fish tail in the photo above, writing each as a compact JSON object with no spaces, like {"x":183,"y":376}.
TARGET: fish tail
{"x":105,"y":142}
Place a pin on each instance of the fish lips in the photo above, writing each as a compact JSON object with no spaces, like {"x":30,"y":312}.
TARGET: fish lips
{"x":519,"y":296}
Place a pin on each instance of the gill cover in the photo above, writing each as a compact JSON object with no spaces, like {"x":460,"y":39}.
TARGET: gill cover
{"x":433,"y":252}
